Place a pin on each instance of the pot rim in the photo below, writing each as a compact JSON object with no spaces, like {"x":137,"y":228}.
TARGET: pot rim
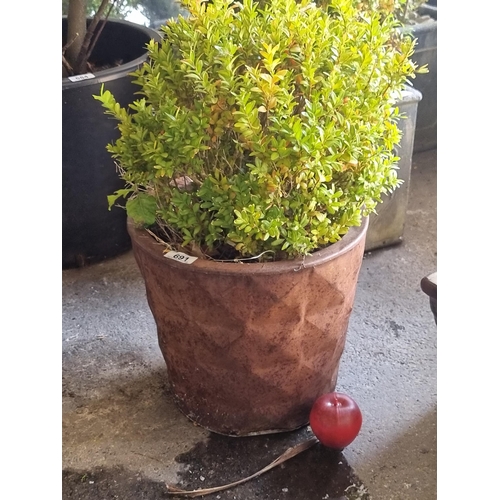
{"x":110,"y":74}
{"x":354,"y":236}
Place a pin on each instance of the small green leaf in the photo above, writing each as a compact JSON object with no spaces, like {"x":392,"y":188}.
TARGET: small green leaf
{"x":118,"y":194}
{"x":142,"y":209}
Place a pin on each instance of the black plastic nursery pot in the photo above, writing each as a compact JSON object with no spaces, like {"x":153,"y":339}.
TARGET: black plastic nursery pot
{"x":91,"y":232}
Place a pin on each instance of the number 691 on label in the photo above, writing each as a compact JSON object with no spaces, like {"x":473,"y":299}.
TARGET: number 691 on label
{"x":180,"y":257}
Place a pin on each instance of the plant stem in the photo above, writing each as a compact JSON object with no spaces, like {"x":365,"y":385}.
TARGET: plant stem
{"x":77,"y":25}
{"x":84,"y":54}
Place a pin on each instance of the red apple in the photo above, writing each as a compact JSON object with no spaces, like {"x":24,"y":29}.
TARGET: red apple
{"x":335,"y":419}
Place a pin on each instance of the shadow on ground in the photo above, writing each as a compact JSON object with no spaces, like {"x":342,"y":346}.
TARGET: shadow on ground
{"x":318,"y":473}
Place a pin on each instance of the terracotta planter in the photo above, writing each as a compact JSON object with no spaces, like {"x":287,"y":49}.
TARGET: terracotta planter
{"x":249,"y":347}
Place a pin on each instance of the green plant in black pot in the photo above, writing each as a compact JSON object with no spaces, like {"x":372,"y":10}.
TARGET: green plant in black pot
{"x":83,"y":35}
{"x":96,"y":47}
{"x":264,"y":127}
{"x":84,"y":25}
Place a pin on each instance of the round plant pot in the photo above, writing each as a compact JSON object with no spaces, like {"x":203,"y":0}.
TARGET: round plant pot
{"x":91,"y":232}
{"x":249,"y":347}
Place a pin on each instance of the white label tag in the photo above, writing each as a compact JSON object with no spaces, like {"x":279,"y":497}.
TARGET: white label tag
{"x":181,"y":257}
{"x":79,"y":78}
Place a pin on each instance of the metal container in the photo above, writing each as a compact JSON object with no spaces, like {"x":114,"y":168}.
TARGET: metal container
{"x":387,"y":225}
{"x":426,"y":83}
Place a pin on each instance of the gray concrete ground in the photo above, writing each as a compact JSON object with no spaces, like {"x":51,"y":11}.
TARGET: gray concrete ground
{"x":123,"y":437}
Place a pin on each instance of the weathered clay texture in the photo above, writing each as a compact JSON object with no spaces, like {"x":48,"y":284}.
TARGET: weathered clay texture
{"x":249,"y":347}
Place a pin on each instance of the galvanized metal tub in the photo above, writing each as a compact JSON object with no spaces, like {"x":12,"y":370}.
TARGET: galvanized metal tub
{"x":387,"y":225}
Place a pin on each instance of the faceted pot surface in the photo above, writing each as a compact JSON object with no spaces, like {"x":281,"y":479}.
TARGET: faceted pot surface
{"x":249,"y":347}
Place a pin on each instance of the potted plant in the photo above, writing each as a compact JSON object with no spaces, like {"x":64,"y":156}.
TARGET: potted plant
{"x":262,"y":139}
{"x":107,"y":52}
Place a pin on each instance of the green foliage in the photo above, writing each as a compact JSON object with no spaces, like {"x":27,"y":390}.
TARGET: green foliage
{"x":266,"y":126}
{"x":142,"y":208}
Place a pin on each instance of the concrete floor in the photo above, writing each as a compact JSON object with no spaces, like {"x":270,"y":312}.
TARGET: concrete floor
{"x":124,"y":438}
